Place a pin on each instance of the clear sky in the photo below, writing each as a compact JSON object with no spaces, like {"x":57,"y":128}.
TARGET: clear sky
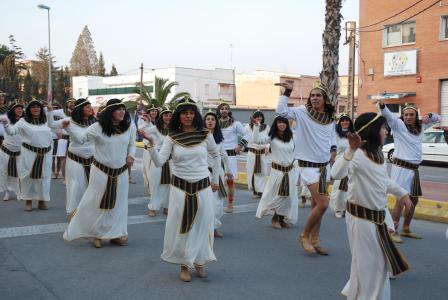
{"x":275,"y":35}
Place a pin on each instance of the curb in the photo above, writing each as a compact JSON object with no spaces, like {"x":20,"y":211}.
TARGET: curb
{"x":430,"y":210}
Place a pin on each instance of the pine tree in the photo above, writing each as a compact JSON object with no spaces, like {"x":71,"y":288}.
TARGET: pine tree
{"x":101,"y":65}
{"x":27,"y":87}
{"x":113,"y":71}
{"x":84,"y":60}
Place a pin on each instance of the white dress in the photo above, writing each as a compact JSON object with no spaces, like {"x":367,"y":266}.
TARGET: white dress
{"x":36,"y":136}
{"x":313,"y":140}
{"x":159,"y":191}
{"x":146,"y":159}
{"x":368,"y":186}
{"x":256,"y":182}
{"x":12,"y":143}
{"x":338,"y":197}
{"x":408,"y":147}
{"x":89,"y":219}
{"x":76,"y":181}
{"x":231,"y":134}
{"x":194,"y":247}
{"x":287,"y":206}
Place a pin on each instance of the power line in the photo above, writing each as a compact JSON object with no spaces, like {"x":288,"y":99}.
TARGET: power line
{"x":407,"y":19}
{"x":394,"y":15}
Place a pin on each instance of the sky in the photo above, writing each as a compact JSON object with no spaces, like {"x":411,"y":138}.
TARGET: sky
{"x":272,"y":35}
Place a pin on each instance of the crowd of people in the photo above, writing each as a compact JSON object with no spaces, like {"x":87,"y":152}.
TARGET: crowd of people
{"x":190,"y":167}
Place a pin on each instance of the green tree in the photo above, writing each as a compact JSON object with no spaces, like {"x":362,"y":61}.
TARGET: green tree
{"x":101,"y":65}
{"x":27,"y":94}
{"x":84,"y":60}
{"x":10,"y":68}
{"x":113,"y":71}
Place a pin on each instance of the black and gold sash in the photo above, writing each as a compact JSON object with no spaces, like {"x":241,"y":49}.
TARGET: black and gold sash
{"x":322,"y":170}
{"x":416,"y":189}
{"x":222,"y":189}
{"x":189,"y":139}
{"x":85,"y":162}
{"x":231,"y":152}
{"x":319,"y":117}
{"x":110,"y":194}
{"x":55,"y":146}
{"x":166,"y":173}
{"x":226,"y":123}
{"x":343,"y":184}
{"x":284,"y":184}
{"x":396,"y":260}
{"x":191,"y":190}
{"x":12,"y":162}
{"x":36,"y":171}
{"x":2,"y":138}
{"x":258,"y":153}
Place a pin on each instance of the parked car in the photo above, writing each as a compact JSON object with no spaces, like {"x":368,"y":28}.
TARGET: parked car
{"x":434,"y":147}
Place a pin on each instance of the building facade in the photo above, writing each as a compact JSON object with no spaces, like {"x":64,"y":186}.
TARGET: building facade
{"x":404,"y":59}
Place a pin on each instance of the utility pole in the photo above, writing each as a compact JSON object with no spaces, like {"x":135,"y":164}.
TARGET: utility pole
{"x":350,"y":37}
{"x":141,"y":84}
{"x":233,"y":74}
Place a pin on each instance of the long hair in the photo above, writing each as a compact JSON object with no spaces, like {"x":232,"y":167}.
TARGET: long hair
{"x":257,"y":114}
{"x":175,"y":124}
{"x":159,"y":120}
{"x":77,"y":113}
{"x":105,"y":118}
{"x":217,"y":132}
{"x":218,"y":114}
{"x":275,"y":133}
{"x":157,"y":116}
{"x":418,"y":122}
{"x":339,"y":130}
{"x":29,"y":118}
{"x":12,"y":115}
{"x":371,"y":134}
{"x":328,"y":108}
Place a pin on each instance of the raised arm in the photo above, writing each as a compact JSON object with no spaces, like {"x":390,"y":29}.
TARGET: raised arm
{"x":282,"y":106}
{"x":82,"y":137}
{"x":345,"y":163}
{"x":429,"y":120}
{"x":10,"y":129}
{"x":262,"y":140}
{"x":393,"y":122}
{"x":161,"y":156}
{"x":52,"y":123}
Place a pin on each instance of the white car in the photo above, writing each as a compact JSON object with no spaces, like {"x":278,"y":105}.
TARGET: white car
{"x":434,"y":147}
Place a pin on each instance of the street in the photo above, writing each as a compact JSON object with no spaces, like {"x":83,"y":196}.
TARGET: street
{"x":255,"y":261}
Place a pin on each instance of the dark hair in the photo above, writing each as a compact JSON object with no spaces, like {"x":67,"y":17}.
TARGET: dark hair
{"x":218,"y":114}
{"x":159,"y":120}
{"x":256,"y":114}
{"x":217,"y":132}
{"x":328,"y":108}
{"x":371,"y":134}
{"x":339,"y":130}
{"x":418,"y":122}
{"x":175,"y":125}
{"x":11,"y":113}
{"x":29,"y":118}
{"x":77,"y":114}
{"x":157,"y":116}
{"x":105,"y":118}
{"x":274,"y":133}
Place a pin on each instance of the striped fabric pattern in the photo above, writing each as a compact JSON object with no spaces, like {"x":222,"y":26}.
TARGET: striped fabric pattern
{"x":258,"y":153}
{"x":416,"y":188}
{"x":343,"y":185}
{"x":12,"y":162}
{"x":110,"y":194}
{"x":36,"y":171}
{"x":284,"y":184}
{"x":85,"y":162}
{"x":323,"y":173}
{"x":188,"y":139}
{"x":319,"y":117}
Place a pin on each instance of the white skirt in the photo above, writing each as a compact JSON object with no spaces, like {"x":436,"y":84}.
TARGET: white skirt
{"x":271,"y":202}
{"x":159,"y":192}
{"x":259,"y":180}
{"x":196,"y":246}
{"x":233,"y":166}
{"x":338,"y":198}
{"x":34,"y":189}
{"x":402,"y":176}
{"x":369,"y":270}
{"x":146,"y":158}
{"x":308,"y":176}
{"x":90,"y":221}
{"x":76,"y":183}
{"x":62,"y":148}
{"x":219,"y":203}
{"x":8,"y":183}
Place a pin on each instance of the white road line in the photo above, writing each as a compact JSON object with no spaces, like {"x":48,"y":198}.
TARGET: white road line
{"x":11,"y":232}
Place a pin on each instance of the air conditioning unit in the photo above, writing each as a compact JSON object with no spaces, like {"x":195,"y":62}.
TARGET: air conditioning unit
{"x":370,"y":71}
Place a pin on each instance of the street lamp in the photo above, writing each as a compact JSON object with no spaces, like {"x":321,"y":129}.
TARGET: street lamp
{"x":50,"y":96}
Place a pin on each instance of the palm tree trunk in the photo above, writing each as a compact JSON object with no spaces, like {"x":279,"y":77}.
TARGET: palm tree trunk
{"x":329,"y":76}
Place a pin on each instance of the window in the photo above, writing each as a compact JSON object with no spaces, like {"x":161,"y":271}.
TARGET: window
{"x":444,"y":28}
{"x":341,"y":108}
{"x":402,"y":34}
{"x":207,"y":89}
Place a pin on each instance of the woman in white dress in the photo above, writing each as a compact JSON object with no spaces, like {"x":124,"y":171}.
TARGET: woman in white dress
{"x":280,"y":193}
{"x":373,"y":251}
{"x":103,"y":210}
{"x":80,"y":156}
{"x":257,"y":165}
{"x":212,"y":124}
{"x":338,"y":197}
{"x":10,"y":155}
{"x":160,"y":176}
{"x":152,"y":116}
{"x":190,"y":224}
{"x":35,"y":155}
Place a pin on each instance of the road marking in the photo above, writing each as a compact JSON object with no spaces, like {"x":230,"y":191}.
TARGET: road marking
{"x":32,"y":230}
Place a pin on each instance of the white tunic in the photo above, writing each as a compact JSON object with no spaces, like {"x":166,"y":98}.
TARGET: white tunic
{"x":408,"y":147}
{"x":190,"y":164}
{"x":287,"y":206}
{"x":368,"y":186}
{"x":146,"y":158}
{"x":338,"y":198}
{"x":313,"y":140}
{"x":259,"y":180}
{"x":12,"y":143}
{"x":36,"y":136}
{"x":89,"y":220}
{"x":230,"y":142}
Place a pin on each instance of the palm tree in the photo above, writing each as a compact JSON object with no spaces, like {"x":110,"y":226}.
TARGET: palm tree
{"x":162,"y":88}
{"x":329,"y":76}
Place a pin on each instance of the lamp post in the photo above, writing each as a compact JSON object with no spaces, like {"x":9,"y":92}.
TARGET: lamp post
{"x":50,"y":95}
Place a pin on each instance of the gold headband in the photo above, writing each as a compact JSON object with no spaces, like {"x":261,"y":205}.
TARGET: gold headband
{"x":165,"y":110}
{"x":319,"y":87}
{"x":82,"y":103}
{"x":410,"y":106}
{"x":186,"y":102}
{"x":14,"y":105}
{"x":115,"y":104}
{"x":368,"y":124}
